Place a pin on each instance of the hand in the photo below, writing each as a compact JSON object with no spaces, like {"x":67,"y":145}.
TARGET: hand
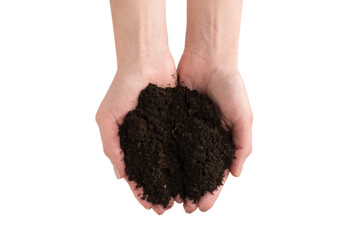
{"x":223,"y":84}
{"x":131,"y":78}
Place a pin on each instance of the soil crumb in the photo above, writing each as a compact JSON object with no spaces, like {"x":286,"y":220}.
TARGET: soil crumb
{"x":174,"y":144}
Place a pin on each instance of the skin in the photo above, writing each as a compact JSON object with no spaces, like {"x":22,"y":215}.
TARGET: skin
{"x":143,"y":57}
{"x":208,"y":64}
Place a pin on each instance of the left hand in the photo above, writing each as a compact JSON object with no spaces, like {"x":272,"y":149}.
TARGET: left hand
{"x":225,"y":87}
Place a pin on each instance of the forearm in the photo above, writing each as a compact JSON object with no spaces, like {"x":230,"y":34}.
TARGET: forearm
{"x":139,"y":28}
{"x":213,"y":28}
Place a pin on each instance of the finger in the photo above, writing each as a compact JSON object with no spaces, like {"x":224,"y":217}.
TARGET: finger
{"x":111,"y":143}
{"x":189,"y":206}
{"x":138,"y":193}
{"x":242,"y":139}
{"x":117,"y":172}
{"x":178,"y":199}
{"x":170,"y":204}
{"x":207,"y":201}
{"x":159,"y":209}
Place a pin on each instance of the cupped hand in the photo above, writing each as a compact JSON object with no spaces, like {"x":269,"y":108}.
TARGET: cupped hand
{"x":223,"y":84}
{"x":122,"y":96}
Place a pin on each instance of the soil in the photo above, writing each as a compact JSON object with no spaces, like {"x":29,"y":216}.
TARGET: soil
{"x":174,"y":144}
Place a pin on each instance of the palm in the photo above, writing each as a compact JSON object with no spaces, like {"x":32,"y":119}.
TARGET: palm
{"x":120,"y":99}
{"x":227,"y":91}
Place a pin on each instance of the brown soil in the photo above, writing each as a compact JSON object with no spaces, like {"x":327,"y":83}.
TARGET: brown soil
{"x":174,"y":144}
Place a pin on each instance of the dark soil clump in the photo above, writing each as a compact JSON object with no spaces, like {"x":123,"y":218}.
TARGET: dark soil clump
{"x":174,"y":144}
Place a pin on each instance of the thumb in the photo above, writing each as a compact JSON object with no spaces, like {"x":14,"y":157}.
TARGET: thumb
{"x":111,"y":142}
{"x":242,"y":139}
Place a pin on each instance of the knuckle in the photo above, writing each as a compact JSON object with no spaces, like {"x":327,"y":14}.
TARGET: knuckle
{"x":250,"y":151}
{"x":98,"y":117}
{"x":113,"y":154}
{"x":246,"y":119}
{"x":250,"y":117}
{"x":106,"y":152}
{"x":245,"y":151}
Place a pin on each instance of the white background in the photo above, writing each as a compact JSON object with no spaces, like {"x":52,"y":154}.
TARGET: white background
{"x":300,"y":62}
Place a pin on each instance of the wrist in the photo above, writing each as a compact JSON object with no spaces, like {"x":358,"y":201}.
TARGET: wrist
{"x":215,"y":59}
{"x":144,"y":41}
{"x":139,"y":28}
{"x":152,"y":67}
{"x":212,"y":47}
{"x":142,"y":55}
{"x":141,"y":49}
{"x":213,"y":30}
{"x":200,"y":70}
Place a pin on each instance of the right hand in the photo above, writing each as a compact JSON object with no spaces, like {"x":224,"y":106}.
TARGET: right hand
{"x":122,"y":96}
